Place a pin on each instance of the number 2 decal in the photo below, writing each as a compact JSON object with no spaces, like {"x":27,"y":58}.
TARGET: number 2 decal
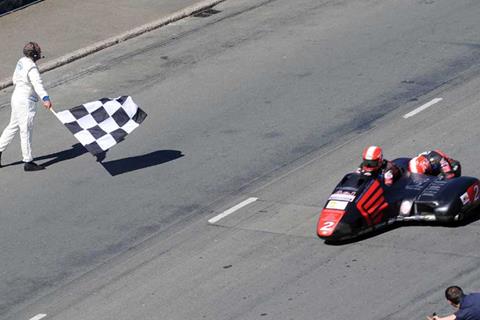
{"x":327,"y":226}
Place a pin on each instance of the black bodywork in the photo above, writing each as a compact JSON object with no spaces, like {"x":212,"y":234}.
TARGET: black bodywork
{"x":361,"y":203}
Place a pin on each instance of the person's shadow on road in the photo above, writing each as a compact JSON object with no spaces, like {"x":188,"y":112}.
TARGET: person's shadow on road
{"x":113,"y":167}
{"x":76,"y":151}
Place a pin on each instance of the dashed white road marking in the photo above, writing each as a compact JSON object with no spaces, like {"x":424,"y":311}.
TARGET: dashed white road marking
{"x":421,"y":108}
{"x":39,"y":316}
{"x":232,"y":210}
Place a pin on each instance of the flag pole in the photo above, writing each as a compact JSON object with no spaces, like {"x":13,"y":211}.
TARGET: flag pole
{"x":53,"y":111}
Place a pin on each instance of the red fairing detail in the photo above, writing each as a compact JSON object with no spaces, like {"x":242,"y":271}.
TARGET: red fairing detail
{"x":473,"y":192}
{"x":329,"y":218}
{"x":372,"y":203}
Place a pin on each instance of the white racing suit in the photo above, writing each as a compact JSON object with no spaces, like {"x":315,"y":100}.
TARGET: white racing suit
{"x":28,"y":87}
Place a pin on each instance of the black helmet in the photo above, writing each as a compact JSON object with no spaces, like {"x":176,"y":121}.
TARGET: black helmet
{"x":434,"y":157}
{"x":32,"y":50}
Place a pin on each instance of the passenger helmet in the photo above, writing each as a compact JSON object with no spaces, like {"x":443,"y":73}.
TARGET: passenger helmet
{"x":32,"y":50}
{"x":372,"y":158}
{"x":419,"y":164}
{"x":435,"y":157}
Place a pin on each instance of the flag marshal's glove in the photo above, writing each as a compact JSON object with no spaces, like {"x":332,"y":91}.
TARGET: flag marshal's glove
{"x":47,"y":103}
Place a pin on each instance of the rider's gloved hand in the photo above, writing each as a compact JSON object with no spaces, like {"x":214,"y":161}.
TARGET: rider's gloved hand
{"x":388,"y":178}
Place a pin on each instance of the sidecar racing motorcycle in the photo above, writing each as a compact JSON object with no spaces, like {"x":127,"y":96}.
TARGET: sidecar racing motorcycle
{"x":360,"y":204}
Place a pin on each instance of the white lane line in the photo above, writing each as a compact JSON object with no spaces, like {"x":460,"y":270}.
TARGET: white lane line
{"x":39,"y":316}
{"x":421,"y":108}
{"x":232,"y":210}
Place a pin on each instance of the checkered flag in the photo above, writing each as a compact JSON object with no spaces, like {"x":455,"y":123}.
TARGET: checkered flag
{"x":101,"y":124}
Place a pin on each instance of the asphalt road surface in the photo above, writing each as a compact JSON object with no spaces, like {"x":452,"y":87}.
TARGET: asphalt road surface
{"x":267,"y":99}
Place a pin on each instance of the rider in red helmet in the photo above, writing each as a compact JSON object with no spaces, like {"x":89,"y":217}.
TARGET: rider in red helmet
{"x":374,"y":164}
{"x":435,"y":163}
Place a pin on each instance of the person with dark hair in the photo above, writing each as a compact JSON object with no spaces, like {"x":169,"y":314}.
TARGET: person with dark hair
{"x":467,"y":305}
{"x":28,"y":89}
